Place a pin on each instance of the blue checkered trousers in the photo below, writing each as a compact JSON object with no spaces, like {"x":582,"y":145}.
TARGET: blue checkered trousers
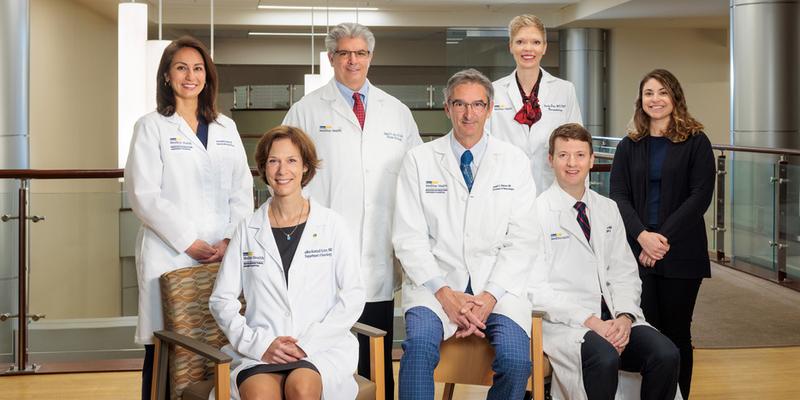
{"x":424,"y":333}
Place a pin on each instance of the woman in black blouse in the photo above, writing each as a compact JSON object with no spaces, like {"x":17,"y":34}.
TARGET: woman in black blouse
{"x":662,"y":179}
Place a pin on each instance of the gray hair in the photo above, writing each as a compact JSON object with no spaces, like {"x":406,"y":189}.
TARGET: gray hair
{"x":351,"y":30}
{"x":468,"y":76}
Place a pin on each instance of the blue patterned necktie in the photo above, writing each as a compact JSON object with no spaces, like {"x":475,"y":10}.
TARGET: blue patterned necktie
{"x":466,"y":160}
{"x":583,"y":220}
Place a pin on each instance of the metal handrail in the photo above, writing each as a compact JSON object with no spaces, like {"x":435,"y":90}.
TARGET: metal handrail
{"x":69,"y":173}
{"x":725,"y":147}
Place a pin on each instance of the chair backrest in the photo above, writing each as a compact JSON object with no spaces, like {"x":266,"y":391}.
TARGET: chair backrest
{"x":184,"y":299}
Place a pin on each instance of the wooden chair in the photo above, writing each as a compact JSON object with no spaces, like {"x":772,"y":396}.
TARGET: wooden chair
{"x":469,"y":361}
{"x":189,"y":346}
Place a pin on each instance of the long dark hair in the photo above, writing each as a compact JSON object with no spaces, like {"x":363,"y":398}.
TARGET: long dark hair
{"x":681,"y":124}
{"x":165,"y":97}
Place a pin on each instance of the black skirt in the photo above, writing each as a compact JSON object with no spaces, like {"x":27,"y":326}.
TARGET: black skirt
{"x":284,"y":369}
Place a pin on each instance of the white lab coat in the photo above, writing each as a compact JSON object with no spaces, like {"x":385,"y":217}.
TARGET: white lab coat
{"x":443,"y":230}
{"x":323,"y":300}
{"x":568,"y":278}
{"x":559,"y":106}
{"x":359,"y":171}
{"x":181,"y":192}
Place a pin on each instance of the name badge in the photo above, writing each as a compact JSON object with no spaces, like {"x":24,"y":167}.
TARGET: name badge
{"x":503,"y":107}
{"x":180,"y":143}
{"x":317,"y":253}
{"x":251,"y":260}
{"x":555,"y":107}
{"x":433,"y":187}
{"x":394,"y":136}
{"x":502,"y":186}
{"x":329,"y":129}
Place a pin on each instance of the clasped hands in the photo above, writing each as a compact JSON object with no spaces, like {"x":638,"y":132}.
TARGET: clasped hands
{"x":205,"y":253}
{"x":468,"y":312}
{"x":654,"y":247}
{"x":283,"y":350}
{"x":616,"y":331}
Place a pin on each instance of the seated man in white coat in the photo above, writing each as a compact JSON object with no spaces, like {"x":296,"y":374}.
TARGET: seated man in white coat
{"x":464,"y":233}
{"x":587,"y":282}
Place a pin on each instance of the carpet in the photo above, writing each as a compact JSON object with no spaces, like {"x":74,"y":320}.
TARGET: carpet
{"x":736,"y":310}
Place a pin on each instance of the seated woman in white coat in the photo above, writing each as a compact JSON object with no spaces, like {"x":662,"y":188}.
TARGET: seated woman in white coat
{"x":297,"y":265}
{"x":587,"y":282}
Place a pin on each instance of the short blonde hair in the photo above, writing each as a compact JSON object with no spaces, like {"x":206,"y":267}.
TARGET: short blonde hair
{"x":523,"y":21}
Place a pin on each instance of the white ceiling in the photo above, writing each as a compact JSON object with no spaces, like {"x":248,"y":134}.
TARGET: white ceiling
{"x":243,"y":15}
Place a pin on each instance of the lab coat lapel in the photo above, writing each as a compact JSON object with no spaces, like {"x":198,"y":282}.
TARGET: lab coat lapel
{"x":512,"y":91}
{"x":598,"y":226}
{"x":544,"y":85}
{"x":310,"y":233}
{"x":482,"y":178}
{"x":374,"y":107}
{"x":566,"y":219}
{"x":187,"y":132}
{"x":447,"y":161}
{"x":339,"y":104}
{"x":260,"y":222}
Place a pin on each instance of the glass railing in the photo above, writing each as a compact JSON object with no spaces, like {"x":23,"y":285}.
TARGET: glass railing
{"x":283,"y":96}
{"x":754,"y":220}
{"x":81,"y":293}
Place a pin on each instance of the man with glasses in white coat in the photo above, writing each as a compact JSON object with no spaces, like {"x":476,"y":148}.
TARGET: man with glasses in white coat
{"x":361,"y":134}
{"x":464,"y":230}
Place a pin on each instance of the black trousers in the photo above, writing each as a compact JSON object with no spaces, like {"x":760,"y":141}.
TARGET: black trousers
{"x":648,"y":352}
{"x":380,"y":315}
{"x":147,"y":370}
{"x":668,"y":305}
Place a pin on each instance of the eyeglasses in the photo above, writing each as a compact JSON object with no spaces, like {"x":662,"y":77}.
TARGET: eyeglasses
{"x":460,"y":106}
{"x":360,"y":54}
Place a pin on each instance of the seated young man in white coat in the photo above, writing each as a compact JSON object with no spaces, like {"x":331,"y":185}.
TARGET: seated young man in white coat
{"x":464,"y":233}
{"x":587,"y":282}
{"x":296,"y":263}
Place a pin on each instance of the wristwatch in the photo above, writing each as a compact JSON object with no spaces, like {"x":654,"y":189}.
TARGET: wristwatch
{"x":627,"y":315}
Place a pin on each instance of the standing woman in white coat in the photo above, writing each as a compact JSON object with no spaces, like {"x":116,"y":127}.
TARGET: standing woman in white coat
{"x":187,"y":180}
{"x":297,"y":265}
{"x":530,"y":103}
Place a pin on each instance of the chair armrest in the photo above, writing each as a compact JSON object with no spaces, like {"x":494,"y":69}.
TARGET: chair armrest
{"x":376,"y":356}
{"x":194,"y":346}
{"x":366,"y":330}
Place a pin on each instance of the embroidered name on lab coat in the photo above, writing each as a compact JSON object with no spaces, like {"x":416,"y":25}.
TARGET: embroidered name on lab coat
{"x":250,"y":260}
{"x":178,"y":143}
{"x":227,"y":143}
{"x":503,"y":107}
{"x":394,"y":136}
{"x":435,"y":187}
{"x":502,"y":186}
{"x":559,"y":236}
{"x":555,"y":107}
{"x":329,"y":129}
{"x":316,"y":253}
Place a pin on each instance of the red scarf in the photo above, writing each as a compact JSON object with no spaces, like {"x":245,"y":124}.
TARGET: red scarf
{"x":531,"y":112}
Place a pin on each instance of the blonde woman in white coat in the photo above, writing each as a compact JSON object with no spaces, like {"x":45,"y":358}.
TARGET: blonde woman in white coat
{"x":587,"y":282}
{"x":529,"y":103}
{"x":187,"y":180}
{"x":298,"y":267}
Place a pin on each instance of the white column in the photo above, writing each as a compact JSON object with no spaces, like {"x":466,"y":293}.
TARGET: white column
{"x":131,"y":67}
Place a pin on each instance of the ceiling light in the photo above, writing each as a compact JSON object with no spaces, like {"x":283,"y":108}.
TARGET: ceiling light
{"x":285,"y":34}
{"x":266,"y":7}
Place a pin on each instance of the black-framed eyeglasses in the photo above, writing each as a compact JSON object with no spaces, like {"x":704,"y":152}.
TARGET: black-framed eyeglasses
{"x":478,"y":106}
{"x":361,"y":54}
